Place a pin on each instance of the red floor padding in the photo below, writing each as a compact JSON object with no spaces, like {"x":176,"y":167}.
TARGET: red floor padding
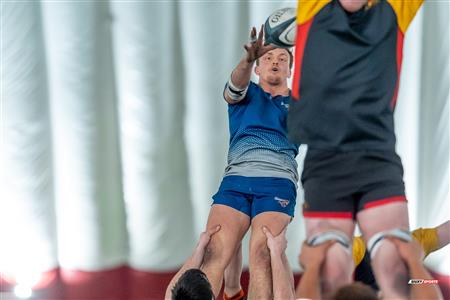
{"x":122,"y":283}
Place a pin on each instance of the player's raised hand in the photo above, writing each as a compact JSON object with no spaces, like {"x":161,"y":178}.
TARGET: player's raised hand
{"x":410,"y":251}
{"x":197,"y":256}
{"x":276,"y":244}
{"x":314,"y":255}
{"x":256,"y":48}
{"x":205,"y":237}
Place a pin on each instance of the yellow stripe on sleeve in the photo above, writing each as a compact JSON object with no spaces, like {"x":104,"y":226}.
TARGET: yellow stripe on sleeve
{"x":307,"y":9}
{"x":405,"y":11}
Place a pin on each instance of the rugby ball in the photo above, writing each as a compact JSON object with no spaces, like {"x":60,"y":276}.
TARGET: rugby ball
{"x":280,"y":27}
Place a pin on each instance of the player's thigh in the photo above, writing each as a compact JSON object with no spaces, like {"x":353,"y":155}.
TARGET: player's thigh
{"x":234,"y":224}
{"x":338,"y":264}
{"x":383,"y":217}
{"x":315,"y":226}
{"x":274,"y":221}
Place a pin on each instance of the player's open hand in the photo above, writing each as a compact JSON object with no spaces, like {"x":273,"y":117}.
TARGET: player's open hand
{"x":314,"y":255}
{"x":276,"y":244}
{"x":256,"y":48}
{"x":205,"y":237}
{"x":199,"y":252}
{"x":410,"y":252}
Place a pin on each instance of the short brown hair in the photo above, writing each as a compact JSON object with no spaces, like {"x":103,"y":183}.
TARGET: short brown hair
{"x":192,"y":285}
{"x":291,"y":58}
{"x":355,"y":291}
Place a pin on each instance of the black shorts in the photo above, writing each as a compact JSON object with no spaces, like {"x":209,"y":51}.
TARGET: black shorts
{"x":340,"y":184}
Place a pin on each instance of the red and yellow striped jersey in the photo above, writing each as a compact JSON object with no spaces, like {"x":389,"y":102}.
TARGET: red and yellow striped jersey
{"x":346,"y":73}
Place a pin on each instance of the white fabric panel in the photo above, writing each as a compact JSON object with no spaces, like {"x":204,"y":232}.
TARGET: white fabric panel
{"x":170,"y":62}
{"x":27,"y":219}
{"x":406,"y":114}
{"x":91,"y":218}
{"x":150,"y":72}
{"x":433,"y":204}
{"x":213,"y":34}
{"x":296,"y":233}
{"x":260,"y":10}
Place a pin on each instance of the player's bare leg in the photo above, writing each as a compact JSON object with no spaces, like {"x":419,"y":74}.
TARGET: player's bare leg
{"x":389,"y":270}
{"x":223,"y":245}
{"x":260,"y":271}
{"x":338,"y":266}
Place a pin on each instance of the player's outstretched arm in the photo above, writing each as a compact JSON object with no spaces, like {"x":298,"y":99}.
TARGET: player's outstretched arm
{"x":443,"y":232}
{"x":240,"y":77}
{"x":195,"y":260}
{"x":433,"y":239}
{"x":283,"y":287}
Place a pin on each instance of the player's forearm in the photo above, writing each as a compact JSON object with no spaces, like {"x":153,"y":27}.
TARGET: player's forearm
{"x":288,"y":269}
{"x":443,"y":232}
{"x":242,"y":73}
{"x":309,"y":285}
{"x":422,"y":291}
{"x":281,"y":278}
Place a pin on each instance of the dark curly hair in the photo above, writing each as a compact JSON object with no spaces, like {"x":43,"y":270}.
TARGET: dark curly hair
{"x":192,"y":285}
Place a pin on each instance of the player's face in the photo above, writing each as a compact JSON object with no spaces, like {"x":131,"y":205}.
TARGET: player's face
{"x":274,"y":66}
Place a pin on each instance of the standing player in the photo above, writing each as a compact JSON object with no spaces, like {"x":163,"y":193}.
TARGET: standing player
{"x":259,"y":184}
{"x":348,"y":59}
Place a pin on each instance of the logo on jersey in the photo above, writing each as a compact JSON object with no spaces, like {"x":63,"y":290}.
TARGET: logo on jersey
{"x":286,"y":105}
{"x":282,"y":202}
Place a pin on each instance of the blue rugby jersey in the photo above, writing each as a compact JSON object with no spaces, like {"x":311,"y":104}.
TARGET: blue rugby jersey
{"x":259,"y":146}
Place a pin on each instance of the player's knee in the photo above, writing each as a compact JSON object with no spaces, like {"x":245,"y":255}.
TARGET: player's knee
{"x":380,"y":241}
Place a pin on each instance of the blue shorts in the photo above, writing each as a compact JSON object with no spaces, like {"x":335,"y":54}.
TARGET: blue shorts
{"x":255,"y":195}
